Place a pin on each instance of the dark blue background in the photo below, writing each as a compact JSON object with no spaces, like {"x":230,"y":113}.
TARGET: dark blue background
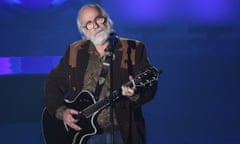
{"x":196,"y":43}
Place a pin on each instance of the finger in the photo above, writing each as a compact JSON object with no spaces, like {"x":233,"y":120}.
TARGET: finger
{"x":126,"y":91}
{"x":71,"y":120}
{"x":123,"y":90}
{"x":68,"y":116}
{"x":130,"y":77}
{"x":75,"y":120}
{"x":130,"y":90}
{"x":73,"y":112}
{"x":75,"y":126}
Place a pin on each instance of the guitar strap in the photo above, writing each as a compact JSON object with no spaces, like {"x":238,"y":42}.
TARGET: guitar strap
{"x":108,"y":58}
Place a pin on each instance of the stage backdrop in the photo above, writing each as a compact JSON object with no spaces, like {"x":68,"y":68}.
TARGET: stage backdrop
{"x":195,"y":42}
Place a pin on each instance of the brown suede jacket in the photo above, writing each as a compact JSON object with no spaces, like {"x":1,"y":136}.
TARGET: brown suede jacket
{"x":130,"y":58}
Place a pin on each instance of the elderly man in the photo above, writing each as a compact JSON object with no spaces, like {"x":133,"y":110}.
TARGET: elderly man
{"x":96,"y":66}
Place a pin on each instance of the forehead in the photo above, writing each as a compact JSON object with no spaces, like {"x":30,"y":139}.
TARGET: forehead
{"x":88,"y":14}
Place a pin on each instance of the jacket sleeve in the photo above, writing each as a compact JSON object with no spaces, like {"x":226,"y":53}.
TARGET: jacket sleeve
{"x":142,"y":62}
{"x":56,"y":86}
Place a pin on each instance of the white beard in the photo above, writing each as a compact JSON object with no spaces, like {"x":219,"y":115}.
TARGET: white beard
{"x":100,"y":36}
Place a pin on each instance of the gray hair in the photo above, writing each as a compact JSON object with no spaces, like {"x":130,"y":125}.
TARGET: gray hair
{"x":101,"y":10}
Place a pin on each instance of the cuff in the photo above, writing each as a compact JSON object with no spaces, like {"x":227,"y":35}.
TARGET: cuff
{"x":134,"y":97}
{"x":60,"y":111}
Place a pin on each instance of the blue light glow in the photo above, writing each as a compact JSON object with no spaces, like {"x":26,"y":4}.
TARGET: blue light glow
{"x":58,"y":2}
{"x":32,"y":3}
{"x":140,"y":10}
{"x":200,"y":11}
{"x":153,"y":11}
{"x":210,"y":11}
{"x":27,"y":65}
{"x":36,"y":4}
{"x":13,"y":1}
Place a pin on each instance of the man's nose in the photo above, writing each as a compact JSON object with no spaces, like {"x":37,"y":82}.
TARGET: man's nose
{"x":95,"y":25}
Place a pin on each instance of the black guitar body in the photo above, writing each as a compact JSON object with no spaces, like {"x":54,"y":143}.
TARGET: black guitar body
{"x":55,"y":132}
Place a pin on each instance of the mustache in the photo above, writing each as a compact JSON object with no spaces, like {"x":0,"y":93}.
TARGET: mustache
{"x":98,"y":31}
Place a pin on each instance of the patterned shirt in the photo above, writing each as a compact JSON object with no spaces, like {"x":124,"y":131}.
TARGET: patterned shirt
{"x":91,"y":77}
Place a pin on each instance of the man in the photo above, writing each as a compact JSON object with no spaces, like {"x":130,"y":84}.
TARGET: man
{"x":80,"y":69}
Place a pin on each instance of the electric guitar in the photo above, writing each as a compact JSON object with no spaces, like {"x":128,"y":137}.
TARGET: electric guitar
{"x":54,"y":131}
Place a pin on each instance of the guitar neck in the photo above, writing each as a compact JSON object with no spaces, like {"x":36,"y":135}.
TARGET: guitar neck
{"x":146,"y":78}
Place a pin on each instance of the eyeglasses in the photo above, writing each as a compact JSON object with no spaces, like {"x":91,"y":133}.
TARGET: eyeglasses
{"x":98,"y":20}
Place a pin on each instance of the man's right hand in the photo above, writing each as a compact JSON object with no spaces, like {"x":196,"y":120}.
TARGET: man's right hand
{"x":69,"y":119}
